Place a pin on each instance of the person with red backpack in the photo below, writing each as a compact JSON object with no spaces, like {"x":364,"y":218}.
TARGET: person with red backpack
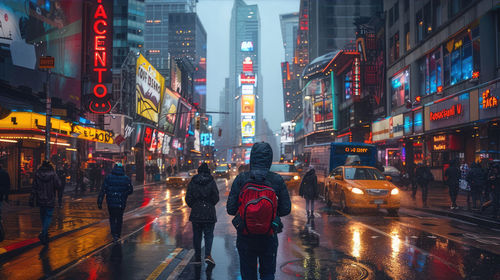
{"x":258,"y":199}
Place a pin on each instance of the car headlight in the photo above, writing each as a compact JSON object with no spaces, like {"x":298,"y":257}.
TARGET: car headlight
{"x":183,"y":179}
{"x":296,"y":177}
{"x":168,"y":179}
{"x":357,"y":191}
{"x":225,"y":171}
{"x":395,"y":191}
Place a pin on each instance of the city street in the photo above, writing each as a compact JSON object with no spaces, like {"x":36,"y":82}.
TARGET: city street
{"x":157,"y":236}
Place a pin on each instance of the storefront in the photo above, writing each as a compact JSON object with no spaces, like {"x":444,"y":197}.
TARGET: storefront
{"x":388,"y":134}
{"x":489,"y":129}
{"x":22,"y":145}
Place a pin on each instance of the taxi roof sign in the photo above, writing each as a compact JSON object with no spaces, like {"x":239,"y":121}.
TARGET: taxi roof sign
{"x":46,"y":62}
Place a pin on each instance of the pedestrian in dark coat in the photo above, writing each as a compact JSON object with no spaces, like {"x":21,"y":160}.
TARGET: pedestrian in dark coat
{"x":453,"y":176}
{"x":202,"y":195}
{"x":259,"y":248}
{"x":43,"y":194}
{"x":4,"y":188}
{"x":423,"y":177}
{"x":116,"y":187}
{"x":477,"y":179}
{"x":309,"y":190}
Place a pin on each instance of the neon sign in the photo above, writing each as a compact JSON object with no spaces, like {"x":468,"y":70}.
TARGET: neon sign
{"x":453,"y":111}
{"x":245,"y":79}
{"x":356,"y":75}
{"x":101,"y":46}
{"x":489,"y":101}
{"x":247,"y":65}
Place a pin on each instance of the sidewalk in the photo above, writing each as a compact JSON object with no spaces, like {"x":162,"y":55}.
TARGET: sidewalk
{"x":22,"y":223}
{"x":438,"y":201}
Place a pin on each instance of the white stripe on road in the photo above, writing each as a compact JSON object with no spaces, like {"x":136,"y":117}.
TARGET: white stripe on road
{"x":182,"y":265}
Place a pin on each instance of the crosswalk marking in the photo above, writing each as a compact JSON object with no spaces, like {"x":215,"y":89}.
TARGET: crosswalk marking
{"x":157,"y":272}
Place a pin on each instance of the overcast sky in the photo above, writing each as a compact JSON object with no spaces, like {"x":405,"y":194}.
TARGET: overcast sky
{"x":215,"y":16}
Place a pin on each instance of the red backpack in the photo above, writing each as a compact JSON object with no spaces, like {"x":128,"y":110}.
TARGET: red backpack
{"x":257,"y":207}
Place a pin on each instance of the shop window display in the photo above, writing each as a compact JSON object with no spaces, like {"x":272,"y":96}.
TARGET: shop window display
{"x":461,"y":57}
{"x":400,"y":88}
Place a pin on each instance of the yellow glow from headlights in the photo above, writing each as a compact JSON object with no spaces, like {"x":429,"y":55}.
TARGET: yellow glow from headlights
{"x":168,"y":179}
{"x":395,"y":191}
{"x":357,"y":191}
{"x":356,"y":243}
{"x":183,"y":179}
{"x":296,"y":177}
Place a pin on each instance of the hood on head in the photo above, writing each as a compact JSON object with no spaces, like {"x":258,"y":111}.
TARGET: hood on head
{"x":203,"y":178}
{"x":311,"y":171}
{"x":203,"y":169}
{"x":118,"y":170}
{"x":45,"y":171}
{"x":261,"y":156}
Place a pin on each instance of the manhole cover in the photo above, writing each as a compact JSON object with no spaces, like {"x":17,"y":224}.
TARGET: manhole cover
{"x":310,"y":268}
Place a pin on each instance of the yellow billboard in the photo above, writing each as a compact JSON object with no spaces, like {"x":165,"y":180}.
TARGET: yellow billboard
{"x":247,"y":127}
{"x":149,"y":86}
{"x":248,"y":104}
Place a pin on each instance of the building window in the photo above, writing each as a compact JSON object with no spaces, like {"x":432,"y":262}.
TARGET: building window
{"x":391,"y":19}
{"x":394,"y":48}
{"x":400,"y":88}
{"x":407,"y":36}
{"x":436,"y":16}
{"x":396,"y":11}
{"x":407,"y":5}
{"x":419,"y":23}
{"x":461,"y":57}
{"x":498,"y":37}
{"x":431,"y":69}
{"x":347,"y":86}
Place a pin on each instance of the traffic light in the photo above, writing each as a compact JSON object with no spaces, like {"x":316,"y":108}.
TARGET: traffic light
{"x":197,"y":122}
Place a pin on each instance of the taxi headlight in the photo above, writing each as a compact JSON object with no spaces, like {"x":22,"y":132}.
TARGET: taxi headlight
{"x":357,"y":191}
{"x":395,"y":191}
{"x":296,"y":177}
{"x":183,"y":179}
{"x":168,"y":179}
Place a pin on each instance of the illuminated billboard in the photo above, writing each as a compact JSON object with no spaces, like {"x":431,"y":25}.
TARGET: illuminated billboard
{"x":247,"y":46}
{"x":247,"y":79}
{"x":248,"y":140}
{"x":29,"y":29}
{"x":287,"y":131}
{"x":148,"y":89}
{"x":247,"y":127}
{"x":101,"y":46}
{"x":248,"y":104}
{"x":248,"y":65}
{"x":247,"y":89}
{"x":168,"y":111}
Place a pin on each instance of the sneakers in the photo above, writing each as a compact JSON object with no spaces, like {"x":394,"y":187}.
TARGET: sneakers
{"x":209,"y":260}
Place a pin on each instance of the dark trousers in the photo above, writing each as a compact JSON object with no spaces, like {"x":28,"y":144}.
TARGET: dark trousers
{"x":115,"y":221}
{"x":60,"y":192}
{"x":262,"y":250}
{"x":310,"y":206}
{"x":425,"y":190}
{"x":46,"y":217}
{"x":453,"y":194}
{"x":200,"y":230}
{"x":476,"y":195}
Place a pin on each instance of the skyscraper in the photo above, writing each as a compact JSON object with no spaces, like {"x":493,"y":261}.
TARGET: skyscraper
{"x":245,"y":80}
{"x":291,"y":94}
{"x":289,"y":25}
{"x":128,"y":30}
{"x":156,"y":29}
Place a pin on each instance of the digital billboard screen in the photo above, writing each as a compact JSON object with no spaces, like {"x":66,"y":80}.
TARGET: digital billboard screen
{"x":247,"y":127}
{"x":168,"y":111}
{"x":184,"y":119}
{"x":248,"y":104}
{"x":149,"y":89}
{"x":287,"y":132}
{"x":31,"y":29}
{"x":247,"y":46}
{"x":246,"y":89}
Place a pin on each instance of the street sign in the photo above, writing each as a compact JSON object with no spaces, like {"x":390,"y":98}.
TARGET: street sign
{"x":46,"y":62}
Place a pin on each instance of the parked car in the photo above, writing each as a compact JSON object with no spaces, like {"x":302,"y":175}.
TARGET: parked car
{"x":361,"y":187}
{"x":222,"y":171}
{"x":180,"y":180}
{"x":394,"y":173}
{"x":288,"y":172}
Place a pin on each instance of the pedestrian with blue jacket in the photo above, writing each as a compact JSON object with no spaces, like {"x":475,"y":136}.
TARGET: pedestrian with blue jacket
{"x":116,"y":187}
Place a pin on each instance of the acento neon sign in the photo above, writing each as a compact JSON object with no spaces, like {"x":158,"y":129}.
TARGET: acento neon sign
{"x":101,"y":58}
{"x":454,"y":110}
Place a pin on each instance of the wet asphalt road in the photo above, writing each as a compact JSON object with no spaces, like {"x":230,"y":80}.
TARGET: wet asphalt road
{"x":362,"y":245}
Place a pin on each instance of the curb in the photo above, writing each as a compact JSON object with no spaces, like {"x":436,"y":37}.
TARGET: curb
{"x":24,"y":245}
{"x":471,"y":219}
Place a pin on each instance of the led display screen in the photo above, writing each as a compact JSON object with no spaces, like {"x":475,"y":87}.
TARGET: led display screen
{"x":149,"y":89}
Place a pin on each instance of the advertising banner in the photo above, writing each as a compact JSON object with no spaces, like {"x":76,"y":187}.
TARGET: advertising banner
{"x":488,"y":102}
{"x":149,"y":89}
{"x":247,"y":89}
{"x":168,"y":111}
{"x":248,"y":104}
{"x":453,"y":111}
{"x":308,"y":116}
{"x":184,"y":114}
{"x":30,"y":29}
{"x":287,"y":131}
{"x":166,"y":145}
{"x":247,"y":127}
{"x":380,"y":130}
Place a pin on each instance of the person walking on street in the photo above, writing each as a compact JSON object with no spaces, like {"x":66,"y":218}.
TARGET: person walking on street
{"x":453,"y":176}
{"x":309,"y":190}
{"x":43,"y":194}
{"x":423,"y":176}
{"x":4,"y":188}
{"x":202,"y":195}
{"x":116,"y":187}
{"x":260,"y":195}
{"x":61,"y":173}
{"x":477,"y":180}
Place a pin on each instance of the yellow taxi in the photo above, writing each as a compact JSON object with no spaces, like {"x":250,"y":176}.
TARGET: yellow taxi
{"x":361,"y":187}
{"x":288,"y":172}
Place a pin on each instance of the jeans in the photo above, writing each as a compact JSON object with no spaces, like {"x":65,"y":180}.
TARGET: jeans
{"x":46,"y":217}
{"x":453,"y":194}
{"x":200,"y":230}
{"x":309,"y":206}
{"x":262,"y":249}
{"x":115,"y":221}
